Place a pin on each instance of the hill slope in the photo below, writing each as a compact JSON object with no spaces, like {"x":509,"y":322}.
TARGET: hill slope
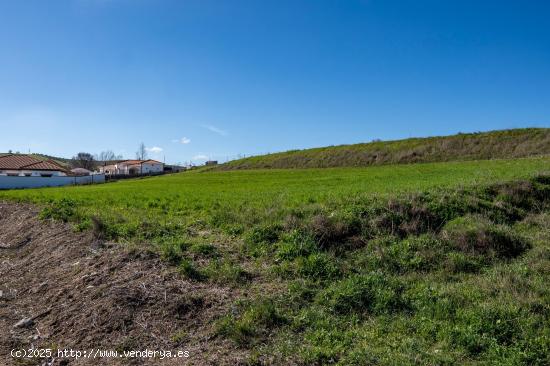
{"x":426,"y":264}
{"x":503,"y":144}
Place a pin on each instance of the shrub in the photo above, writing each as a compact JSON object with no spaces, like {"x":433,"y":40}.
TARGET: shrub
{"x":404,"y":217}
{"x":421,"y":253}
{"x":64,"y":210}
{"x":521,"y":194}
{"x":476,"y":235}
{"x":329,"y":231}
{"x":372,"y":293}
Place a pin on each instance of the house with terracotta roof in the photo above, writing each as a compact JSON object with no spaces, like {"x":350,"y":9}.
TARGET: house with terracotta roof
{"x":29,"y":166}
{"x":133,"y":167}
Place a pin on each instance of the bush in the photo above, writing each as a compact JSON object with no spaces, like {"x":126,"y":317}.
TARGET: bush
{"x":404,"y":217}
{"x":330,"y":231}
{"x":476,"y":235}
{"x":372,"y":293}
{"x":421,"y":253}
{"x":64,"y":210}
{"x":519,"y":194}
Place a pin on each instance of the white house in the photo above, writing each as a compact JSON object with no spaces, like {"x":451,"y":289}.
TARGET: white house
{"x":29,"y":166}
{"x":133,"y":167}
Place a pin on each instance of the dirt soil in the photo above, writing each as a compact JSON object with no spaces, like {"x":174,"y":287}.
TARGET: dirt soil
{"x":64,"y":290}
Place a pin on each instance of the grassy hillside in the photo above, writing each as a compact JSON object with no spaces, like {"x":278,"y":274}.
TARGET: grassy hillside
{"x":437,"y":263}
{"x":473,"y":146}
{"x":245,"y":198}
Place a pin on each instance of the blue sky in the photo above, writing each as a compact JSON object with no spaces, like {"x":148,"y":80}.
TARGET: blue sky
{"x":203,"y":78}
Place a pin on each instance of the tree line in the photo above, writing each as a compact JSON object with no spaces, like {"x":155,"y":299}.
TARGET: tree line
{"x":90,"y":161}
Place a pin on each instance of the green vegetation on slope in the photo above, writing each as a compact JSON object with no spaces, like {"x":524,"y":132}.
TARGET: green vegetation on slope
{"x":503,"y":144}
{"x":145,"y":209}
{"x":440,"y":263}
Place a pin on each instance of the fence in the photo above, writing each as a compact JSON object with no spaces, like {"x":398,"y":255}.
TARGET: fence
{"x":113,"y":177}
{"x":10,"y":182}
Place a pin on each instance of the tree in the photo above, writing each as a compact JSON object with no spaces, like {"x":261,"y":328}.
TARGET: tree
{"x":141,"y":154}
{"x":83,"y":160}
{"x":108,"y":155}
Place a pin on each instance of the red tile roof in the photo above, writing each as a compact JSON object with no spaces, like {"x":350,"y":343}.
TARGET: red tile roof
{"x":26,"y":162}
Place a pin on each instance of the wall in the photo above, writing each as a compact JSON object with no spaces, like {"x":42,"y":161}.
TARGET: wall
{"x":37,"y":182}
{"x":34,"y":173}
{"x":152,"y":168}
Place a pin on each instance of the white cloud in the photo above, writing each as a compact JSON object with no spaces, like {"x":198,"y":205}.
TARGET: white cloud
{"x":183,"y":140}
{"x":215,"y":129}
{"x":154,"y":149}
{"x":200,"y":157}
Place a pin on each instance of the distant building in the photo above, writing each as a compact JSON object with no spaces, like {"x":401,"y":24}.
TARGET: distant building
{"x":211,"y":162}
{"x":174,"y":168}
{"x":80,"y":171}
{"x":29,"y":166}
{"x":132,"y":167}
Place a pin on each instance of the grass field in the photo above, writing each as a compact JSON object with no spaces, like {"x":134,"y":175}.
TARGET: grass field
{"x":247,"y":198}
{"x":437,"y":263}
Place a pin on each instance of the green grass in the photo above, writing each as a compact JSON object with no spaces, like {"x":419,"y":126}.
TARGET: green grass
{"x":502,"y":144}
{"x":158,"y":207}
{"x":436,"y":263}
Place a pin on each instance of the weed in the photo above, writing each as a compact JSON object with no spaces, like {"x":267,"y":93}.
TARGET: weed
{"x":253,"y":324}
{"x":226,"y":272}
{"x":318,"y":266}
{"x":296,"y":244}
{"x":187,"y":269}
{"x":207,"y":250}
{"x":371,"y":293}
{"x":64,"y":210}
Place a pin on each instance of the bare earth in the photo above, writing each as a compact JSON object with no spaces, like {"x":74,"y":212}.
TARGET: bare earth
{"x":76,"y":293}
